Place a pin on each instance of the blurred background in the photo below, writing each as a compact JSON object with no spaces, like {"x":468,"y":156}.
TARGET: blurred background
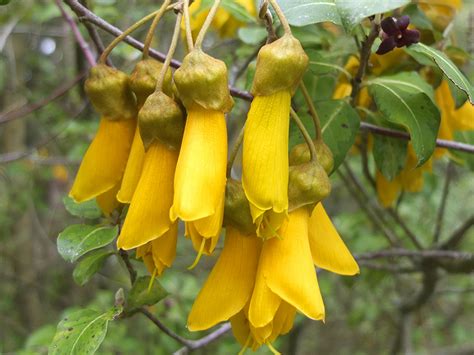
{"x":46,"y":124}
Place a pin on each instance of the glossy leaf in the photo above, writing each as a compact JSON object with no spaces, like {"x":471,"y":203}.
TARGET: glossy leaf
{"x":406,"y":100}
{"x":82,"y":332}
{"x":446,"y":65}
{"x":140,"y":294}
{"x":89,"y":265}
{"x":353,"y":12}
{"x":88,"y":209}
{"x":307,"y":12}
{"x":78,"y":239}
{"x":389,"y":155}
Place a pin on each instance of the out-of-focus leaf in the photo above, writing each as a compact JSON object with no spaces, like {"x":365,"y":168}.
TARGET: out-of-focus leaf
{"x":417,"y":17}
{"x":252,"y":35}
{"x":306,"y":12}
{"x":78,"y":239}
{"x":237,"y":11}
{"x":407,"y":100}
{"x":82,"y":332}
{"x":353,"y":12}
{"x":320,"y":63}
{"x":89,"y":265}
{"x":389,"y":155}
{"x":141,"y":295}
{"x":88,"y":209}
{"x":446,"y":65}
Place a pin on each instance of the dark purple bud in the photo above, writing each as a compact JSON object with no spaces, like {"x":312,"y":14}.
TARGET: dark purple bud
{"x":389,"y":26}
{"x":386,"y":46}
{"x":411,"y":37}
{"x":403,"y":22}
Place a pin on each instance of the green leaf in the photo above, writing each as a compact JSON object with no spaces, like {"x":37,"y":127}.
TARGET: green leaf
{"x":252,"y":35}
{"x":237,"y":11}
{"x":4,"y":2}
{"x":88,"y":209}
{"x":353,"y":12}
{"x":339,"y":124}
{"x":446,"y":65}
{"x":78,"y":239}
{"x":82,"y":332}
{"x":406,"y":100}
{"x":389,"y":155}
{"x":459,"y":96}
{"x":307,"y":12}
{"x":468,"y":138}
{"x":320,"y":63}
{"x":140,"y":296}
{"x":89,"y":265}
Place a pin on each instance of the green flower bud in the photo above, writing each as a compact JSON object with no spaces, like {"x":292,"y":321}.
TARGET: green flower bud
{"x":143,"y":79}
{"x":280,"y":66}
{"x":308,"y":185}
{"x":202,"y":80}
{"x":161,"y":118}
{"x":110,"y":93}
{"x":300,"y":154}
{"x":237,"y":208}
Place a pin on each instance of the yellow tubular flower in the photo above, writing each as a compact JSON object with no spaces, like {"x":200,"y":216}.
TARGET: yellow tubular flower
{"x":133,"y":169}
{"x":105,"y":160}
{"x":148,"y":215}
{"x":159,"y":254}
{"x":387,"y":191}
{"x":265,"y":161}
{"x":108,"y":200}
{"x":327,"y":248}
{"x":440,"y":12}
{"x":230,"y":283}
{"x":200,"y":175}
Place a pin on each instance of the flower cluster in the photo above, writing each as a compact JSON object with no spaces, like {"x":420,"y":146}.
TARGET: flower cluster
{"x":396,"y":34}
{"x":164,"y":153}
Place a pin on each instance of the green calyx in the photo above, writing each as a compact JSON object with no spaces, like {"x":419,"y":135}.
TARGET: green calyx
{"x":280,"y":66}
{"x":202,"y":80}
{"x":143,"y":79}
{"x":161,"y":118}
{"x":308,"y":185}
{"x":237,"y":208}
{"x":110,"y":93}
{"x":300,"y":154}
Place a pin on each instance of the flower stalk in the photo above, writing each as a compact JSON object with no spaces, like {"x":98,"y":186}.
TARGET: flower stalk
{"x":149,"y":36}
{"x":207,"y":23}
{"x":281,"y":16}
{"x":187,"y":24}
{"x":312,"y":111}
{"x":304,"y":132}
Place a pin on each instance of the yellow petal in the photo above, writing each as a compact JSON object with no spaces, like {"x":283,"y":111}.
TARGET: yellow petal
{"x":446,"y":106}
{"x":230,"y":283}
{"x":387,"y":191}
{"x":464,"y":118}
{"x":283,"y":321}
{"x":164,"y":249}
{"x":327,"y":248}
{"x":133,"y":169}
{"x":268,"y":222}
{"x":287,"y":266}
{"x":261,"y":334}
{"x":342,"y":90}
{"x":148,"y":215}
{"x":265,"y":154}
{"x":240,"y":328}
{"x":201,"y":171}
{"x":104,"y":162}
{"x":108,"y":200}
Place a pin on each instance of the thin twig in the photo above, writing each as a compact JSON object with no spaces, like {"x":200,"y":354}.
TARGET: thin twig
{"x":128,"y":264}
{"x":77,"y":34}
{"x":29,"y":108}
{"x":454,"y":240}
{"x":423,"y":254}
{"x":442,"y":205}
{"x":164,"y":329}
{"x":196,"y":344}
{"x":415,"y":240}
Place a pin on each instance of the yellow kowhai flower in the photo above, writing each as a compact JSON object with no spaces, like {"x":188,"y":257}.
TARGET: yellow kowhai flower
{"x":440,"y":12}
{"x":280,"y":66}
{"x":224,"y":23}
{"x":259,"y":285}
{"x":159,"y":254}
{"x":410,"y":179}
{"x":201,"y":169}
{"x":108,"y":200}
{"x":104,"y":162}
{"x":452,"y":119}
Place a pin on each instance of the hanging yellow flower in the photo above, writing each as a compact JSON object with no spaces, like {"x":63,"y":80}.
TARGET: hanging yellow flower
{"x":148,"y":216}
{"x":440,"y":12}
{"x":224,"y":23}
{"x":201,"y":169}
{"x":280,"y":66}
{"x":104,"y":162}
{"x":259,"y":285}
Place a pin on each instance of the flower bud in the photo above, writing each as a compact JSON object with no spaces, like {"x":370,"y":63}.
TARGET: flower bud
{"x":202,"y":80}
{"x":161,"y":118}
{"x":280,"y":66}
{"x":110,"y":92}
{"x":308,"y":185}
{"x":143,"y":79}
{"x":236,"y":208}
{"x":300,"y":154}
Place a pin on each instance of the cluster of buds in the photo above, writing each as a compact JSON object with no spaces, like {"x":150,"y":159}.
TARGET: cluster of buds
{"x":163,"y":150}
